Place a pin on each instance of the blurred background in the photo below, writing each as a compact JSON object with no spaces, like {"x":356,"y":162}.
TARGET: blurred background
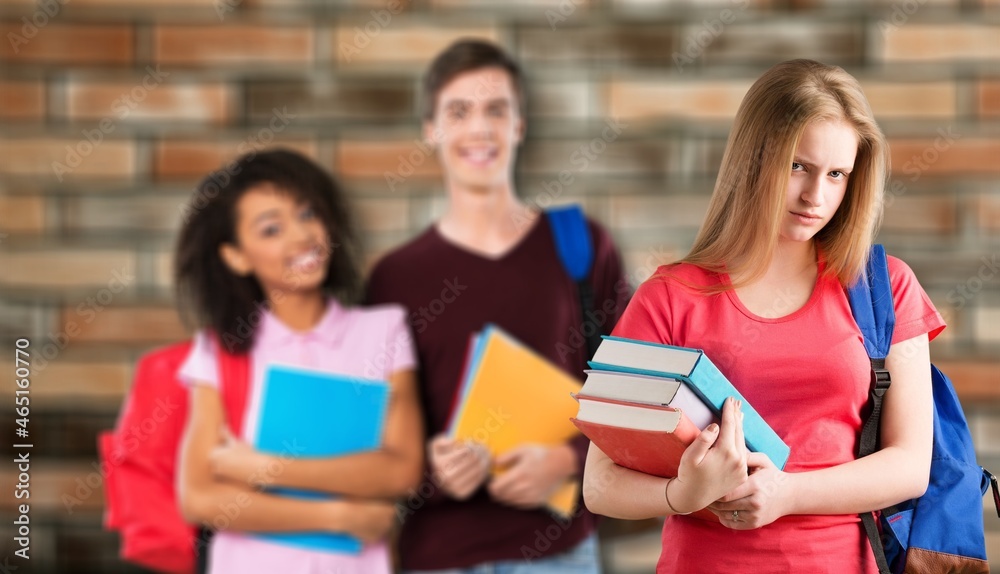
{"x":112,"y":110}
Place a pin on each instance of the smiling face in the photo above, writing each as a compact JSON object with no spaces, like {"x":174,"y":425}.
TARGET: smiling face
{"x":279,"y":240}
{"x":820,"y":170}
{"x":477,"y":127}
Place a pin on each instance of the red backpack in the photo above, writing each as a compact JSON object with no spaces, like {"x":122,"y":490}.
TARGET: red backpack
{"x":139,"y":458}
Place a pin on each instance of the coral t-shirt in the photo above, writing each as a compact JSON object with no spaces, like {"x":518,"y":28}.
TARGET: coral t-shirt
{"x":807,"y":373}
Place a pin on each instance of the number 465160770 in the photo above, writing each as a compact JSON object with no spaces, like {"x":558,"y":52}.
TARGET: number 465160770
{"x":22,"y":373}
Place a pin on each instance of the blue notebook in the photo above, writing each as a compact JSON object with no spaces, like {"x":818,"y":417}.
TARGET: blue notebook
{"x":311,"y":414}
{"x":695,"y":369}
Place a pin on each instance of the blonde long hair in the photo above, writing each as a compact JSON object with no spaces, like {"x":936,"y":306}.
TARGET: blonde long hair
{"x":741,"y":228}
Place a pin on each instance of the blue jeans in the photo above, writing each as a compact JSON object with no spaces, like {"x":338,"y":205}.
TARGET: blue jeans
{"x":581,"y":559}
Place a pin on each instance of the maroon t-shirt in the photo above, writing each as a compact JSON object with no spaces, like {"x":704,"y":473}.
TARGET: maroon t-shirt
{"x":451,"y":293}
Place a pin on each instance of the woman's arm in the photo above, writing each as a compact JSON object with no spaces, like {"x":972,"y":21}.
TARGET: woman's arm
{"x":898,"y":471}
{"x":207,"y":501}
{"x":388,"y":472}
{"x":618,"y":492}
{"x":715,"y":463}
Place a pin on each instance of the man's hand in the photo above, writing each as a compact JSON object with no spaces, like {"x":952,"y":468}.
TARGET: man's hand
{"x":531,"y":473}
{"x":460,"y":468}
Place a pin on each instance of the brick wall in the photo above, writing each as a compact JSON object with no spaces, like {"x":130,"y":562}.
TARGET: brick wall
{"x":112,"y":110}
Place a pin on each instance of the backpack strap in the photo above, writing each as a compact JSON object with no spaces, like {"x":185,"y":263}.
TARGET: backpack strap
{"x":871,"y":304}
{"x":234,"y":371}
{"x":576,"y":252}
{"x":234,"y":386}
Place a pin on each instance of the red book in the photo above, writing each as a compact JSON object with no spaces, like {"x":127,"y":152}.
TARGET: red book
{"x":642,"y":437}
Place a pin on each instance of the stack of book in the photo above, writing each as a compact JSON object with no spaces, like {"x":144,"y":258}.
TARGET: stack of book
{"x":644,"y":403}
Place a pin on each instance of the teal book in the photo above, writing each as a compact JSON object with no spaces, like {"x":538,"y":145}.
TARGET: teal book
{"x":313,"y":414}
{"x":695,"y":369}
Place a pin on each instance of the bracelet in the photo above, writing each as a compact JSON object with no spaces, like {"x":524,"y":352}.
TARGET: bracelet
{"x":666,"y":496}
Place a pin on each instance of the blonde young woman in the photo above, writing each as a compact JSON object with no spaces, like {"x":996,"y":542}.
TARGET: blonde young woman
{"x":794,"y":212}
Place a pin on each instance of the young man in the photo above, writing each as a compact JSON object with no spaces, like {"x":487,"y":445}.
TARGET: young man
{"x":490,"y":259}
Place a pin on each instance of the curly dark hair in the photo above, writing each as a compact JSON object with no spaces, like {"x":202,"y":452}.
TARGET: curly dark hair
{"x":211,"y":296}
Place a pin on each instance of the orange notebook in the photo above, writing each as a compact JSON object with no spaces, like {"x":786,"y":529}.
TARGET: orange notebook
{"x":642,"y":437}
{"x":510,"y":396}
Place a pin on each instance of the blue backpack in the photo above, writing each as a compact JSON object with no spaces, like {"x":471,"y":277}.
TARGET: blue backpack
{"x":942,"y":531}
{"x":576,"y":252}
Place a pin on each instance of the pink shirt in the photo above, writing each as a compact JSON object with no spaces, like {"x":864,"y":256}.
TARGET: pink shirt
{"x":807,"y":374}
{"x":371,"y":343}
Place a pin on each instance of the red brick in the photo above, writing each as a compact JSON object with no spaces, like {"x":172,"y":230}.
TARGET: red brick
{"x":68,"y":43}
{"x":985,"y":427}
{"x":355,"y":44}
{"x":21,"y":214}
{"x":51,"y":481}
{"x":944,"y":42}
{"x":192,"y":8}
{"x":989,"y":99}
{"x":110,"y":159}
{"x":164,"y":269}
{"x":235,"y":44}
{"x":912,"y":159}
{"x":22,"y":100}
{"x":129,"y":101}
{"x":561,"y":99}
{"x":585,"y":46}
{"x":186,"y":159}
{"x":640,"y":264}
{"x":62,"y":380}
{"x":581,"y":6}
{"x":126,"y":325}
{"x":353,"y":4}
{"x":66,"y":268}
{"x":988,"y":209}
{"x":911,"y":99}
{"x":658,"y":212}
{"x":987,"y":319}
{"x":880,"y":3}
{"x":400,"y":159}
{"x":710,"y":99}
{"x":711,"y":41}
{"x":311,"y":102}
{"x":645,"y":5}
{"x":569,"y":163}
{"x":377,"y":215}
{"x":920,"y":214}
{"x":146,"y":213}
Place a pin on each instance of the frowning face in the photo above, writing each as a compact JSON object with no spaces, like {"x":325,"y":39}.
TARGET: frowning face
{"x":818,"y":178}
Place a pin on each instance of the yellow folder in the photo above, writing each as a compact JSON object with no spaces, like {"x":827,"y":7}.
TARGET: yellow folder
{"x":512,"y":396}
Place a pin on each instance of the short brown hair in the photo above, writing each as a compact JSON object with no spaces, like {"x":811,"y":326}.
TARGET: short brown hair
{"x":466,"y":55}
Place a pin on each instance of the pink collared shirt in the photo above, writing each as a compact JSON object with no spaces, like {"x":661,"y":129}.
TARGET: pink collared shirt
{"x":372,"y":343}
